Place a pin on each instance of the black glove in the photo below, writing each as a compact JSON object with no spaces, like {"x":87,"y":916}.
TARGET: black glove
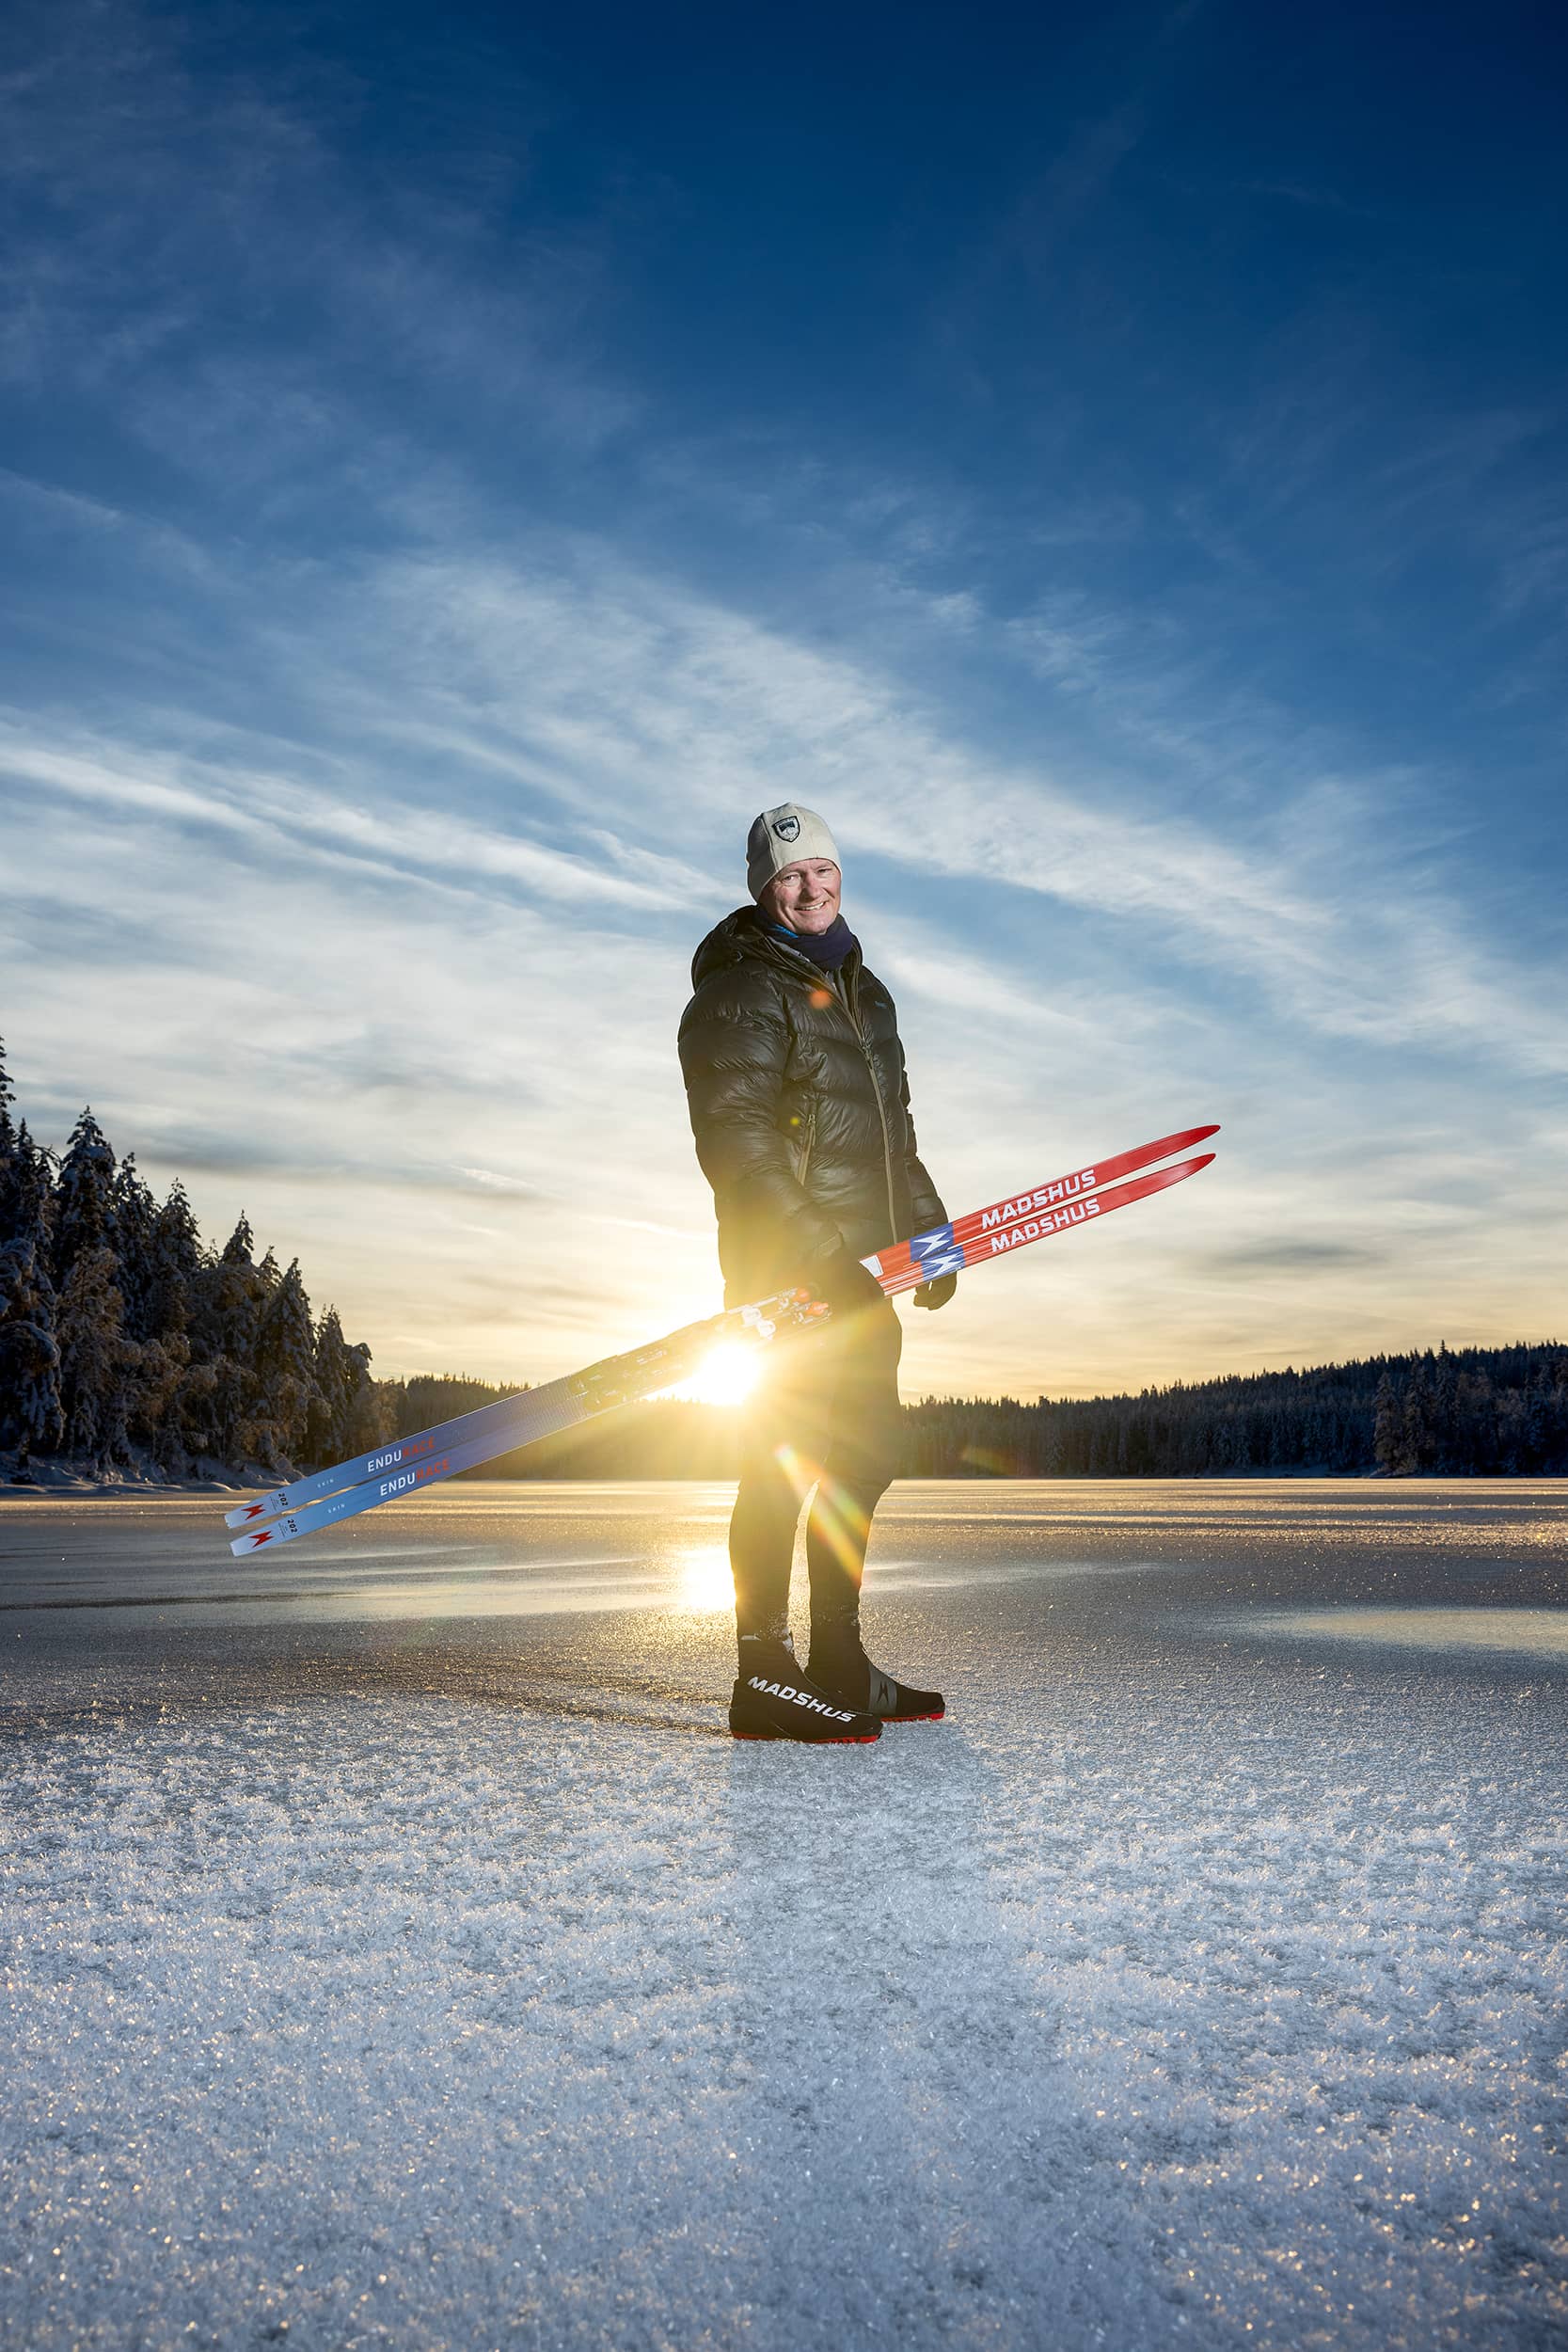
{"x":847,"y":1285}
{"x":937,"y":1293}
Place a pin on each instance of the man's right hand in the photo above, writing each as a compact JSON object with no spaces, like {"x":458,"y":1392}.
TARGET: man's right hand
{"x":937,"y":1291}
{"x":847,"y":1285}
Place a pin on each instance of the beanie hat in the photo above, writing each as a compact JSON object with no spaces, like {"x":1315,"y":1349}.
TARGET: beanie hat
{"x":783,"y":836}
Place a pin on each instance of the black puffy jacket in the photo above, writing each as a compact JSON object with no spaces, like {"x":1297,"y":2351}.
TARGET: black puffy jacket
{"x":801,"y":1108}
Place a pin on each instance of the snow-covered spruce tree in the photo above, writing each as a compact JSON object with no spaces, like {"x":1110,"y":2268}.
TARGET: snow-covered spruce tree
{"x":174,"y":1265}
{"x":31,"y":1417}
{"x":348,"y":1410}
{"x":97,"y":1383}
{"x":95,"y":1358}
{"x":327,"y":1429}
{"x":154,"y":1357}
{"x":26,"y":1195}
{"x":221,"y":1316}
{"x":84,"y":1196}
{"x":25,"y":1173}
{"x":133,"y":1214}
{"x":223,"y":1405}
{"x":286,"y":1361}
{"x":7,"y":1138}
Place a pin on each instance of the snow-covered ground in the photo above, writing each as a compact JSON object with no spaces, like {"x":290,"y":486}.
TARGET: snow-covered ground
{"x":397,"y":1952}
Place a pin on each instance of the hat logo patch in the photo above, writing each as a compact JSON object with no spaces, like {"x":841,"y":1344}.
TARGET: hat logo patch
{"x":787,"y":828}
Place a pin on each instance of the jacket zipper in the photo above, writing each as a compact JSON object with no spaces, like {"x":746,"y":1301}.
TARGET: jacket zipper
{"x":807,"y":1141}
{"x":851,"y":1007}
{"x":851,"y":995}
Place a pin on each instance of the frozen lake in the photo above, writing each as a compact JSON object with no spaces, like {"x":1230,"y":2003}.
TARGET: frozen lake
{"x":397,"y":1951}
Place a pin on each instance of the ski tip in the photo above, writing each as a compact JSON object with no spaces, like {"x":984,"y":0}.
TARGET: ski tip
{"x":1162,"y":1177}
{"x":1145,"y":1187}
{"x":1182,"y":1168}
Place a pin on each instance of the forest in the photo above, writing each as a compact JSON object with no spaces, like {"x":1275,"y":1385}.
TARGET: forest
{"x":128,"y":1344}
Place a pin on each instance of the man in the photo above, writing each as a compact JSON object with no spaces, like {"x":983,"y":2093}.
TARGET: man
{"x":800,"y":1110}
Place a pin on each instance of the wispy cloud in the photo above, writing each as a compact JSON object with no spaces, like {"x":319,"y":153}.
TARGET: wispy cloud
{"x":280,"y":821}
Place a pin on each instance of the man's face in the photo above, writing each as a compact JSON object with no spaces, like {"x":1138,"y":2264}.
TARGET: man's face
{"x":804,"y":897}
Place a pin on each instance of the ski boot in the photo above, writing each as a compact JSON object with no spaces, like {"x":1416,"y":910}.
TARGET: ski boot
{"x":840,"y":1666}
{"x":773,"y":1700}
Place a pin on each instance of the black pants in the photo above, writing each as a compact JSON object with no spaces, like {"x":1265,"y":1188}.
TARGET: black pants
{"x":826,"y":1415}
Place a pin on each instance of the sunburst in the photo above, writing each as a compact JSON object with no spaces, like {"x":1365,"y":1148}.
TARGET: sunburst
{"x":727,"y":1376}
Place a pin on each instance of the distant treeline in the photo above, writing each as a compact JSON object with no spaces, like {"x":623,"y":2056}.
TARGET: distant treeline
{"x":1474,"y":1411}
{"x":126,"y":1342}
{"x":1466,"y":1412}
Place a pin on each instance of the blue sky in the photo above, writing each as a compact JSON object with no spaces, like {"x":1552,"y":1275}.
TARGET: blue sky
{"x":456,"y":466}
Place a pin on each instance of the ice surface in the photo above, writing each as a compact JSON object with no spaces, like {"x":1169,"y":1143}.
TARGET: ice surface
{"x":402,"y":1955}
{"x":1534,"y":1632}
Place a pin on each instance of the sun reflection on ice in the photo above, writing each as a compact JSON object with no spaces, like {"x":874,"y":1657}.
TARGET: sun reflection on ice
{"x":703,"y":1579}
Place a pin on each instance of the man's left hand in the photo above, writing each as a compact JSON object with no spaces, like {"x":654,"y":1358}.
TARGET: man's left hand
{"x":937,"y":1293}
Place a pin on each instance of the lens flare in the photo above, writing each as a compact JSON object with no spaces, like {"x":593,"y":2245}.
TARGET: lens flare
{"x":727,"y":1376}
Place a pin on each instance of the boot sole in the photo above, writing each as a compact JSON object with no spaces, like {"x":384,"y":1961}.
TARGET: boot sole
{"x":940,"y":1717}
{"x":849,"y":1739}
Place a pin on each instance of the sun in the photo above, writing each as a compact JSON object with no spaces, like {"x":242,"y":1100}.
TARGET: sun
{"x":727,"y":1376}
